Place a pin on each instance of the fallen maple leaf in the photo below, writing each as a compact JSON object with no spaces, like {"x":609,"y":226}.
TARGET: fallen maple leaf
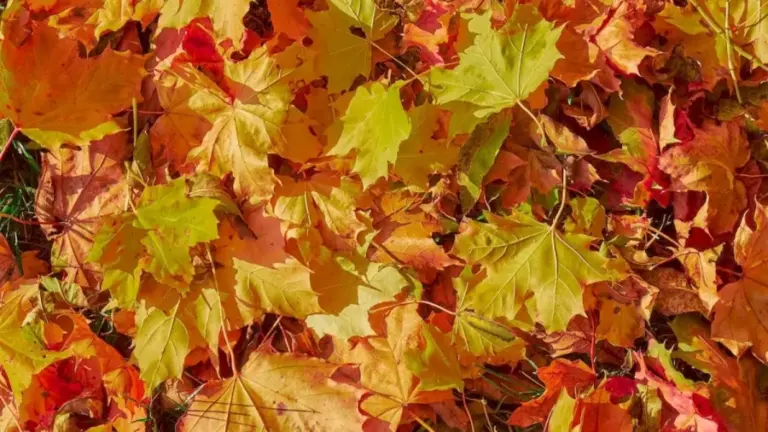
{"x":73,"y":106}
{"x":77,"y":189}
{"x":274,"y":391}
{"x":739,"y":313}
{"x":526,"y":257}
{"x":373,"y":215}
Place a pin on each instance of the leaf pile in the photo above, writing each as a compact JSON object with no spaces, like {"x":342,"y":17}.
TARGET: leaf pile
{"x":341,"y":215}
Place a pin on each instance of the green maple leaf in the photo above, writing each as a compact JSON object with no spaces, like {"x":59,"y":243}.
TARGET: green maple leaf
{"x":162,"y":344}
{"x":523,"y":256}
{"x":501,"y":68}
{"x":484,"y":338}
{"x":374,"y":126}
{"x":118,"y":249}
{"x":210,"y":317}
{"x":342,"y":56}
{"x":156,"y":237}
{"x":173,"y":223}
{"x":167,"y":208}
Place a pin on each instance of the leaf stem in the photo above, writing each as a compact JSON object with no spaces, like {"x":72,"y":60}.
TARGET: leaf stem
{"x":406,"y":303}
{"x":227,"y":325}
{"x":28,"y":223}
{"x":423,"y":424}
{"x":729,"y":271}
{"x":466,"y":409}
{"x":437,"y":306}
{"x":592,"y":342}
{"x":662,"y":235}
{"x":535,"y":120}
{"x":403,"y":65}
{"x":729,"y":51}
{"x":563,"y":200}
{"x":135,"y":107}
{"x":9,"y":142}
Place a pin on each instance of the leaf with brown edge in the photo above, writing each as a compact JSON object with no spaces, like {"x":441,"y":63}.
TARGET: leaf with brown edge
{"x":276,"y":392}
{"x":741,"y":315}
{"x":73,"y":106}
{"x":708,"y":163}
{"x":77,"y":189}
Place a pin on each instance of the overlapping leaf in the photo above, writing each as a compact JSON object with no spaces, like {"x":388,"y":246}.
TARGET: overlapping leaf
{"x":372,"y":215}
